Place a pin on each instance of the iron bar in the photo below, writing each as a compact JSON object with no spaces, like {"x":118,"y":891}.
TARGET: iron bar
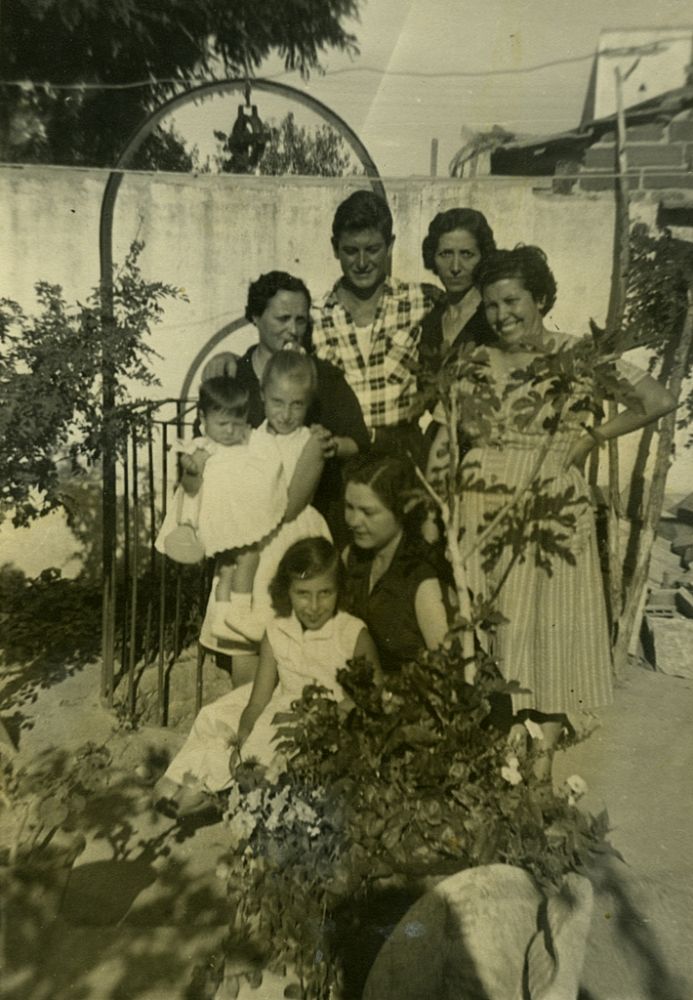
{"x":126,"y":563}
{"x":161,"y":676}
{"x":135,"y":541}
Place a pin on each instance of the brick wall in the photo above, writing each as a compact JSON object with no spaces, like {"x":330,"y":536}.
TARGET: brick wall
{"x":659,"y":154}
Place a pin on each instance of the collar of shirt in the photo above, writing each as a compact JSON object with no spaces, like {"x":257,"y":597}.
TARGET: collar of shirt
{"x":391,"y":286}
{"x":292,"y":627}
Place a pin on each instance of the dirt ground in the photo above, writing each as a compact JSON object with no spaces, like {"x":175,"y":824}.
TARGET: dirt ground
{"x":132,"y":923}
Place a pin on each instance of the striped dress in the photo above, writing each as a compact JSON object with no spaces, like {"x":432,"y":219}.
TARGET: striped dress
{"x":555,"y":643}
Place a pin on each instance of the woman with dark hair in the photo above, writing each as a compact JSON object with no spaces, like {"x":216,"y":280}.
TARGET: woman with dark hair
{"x":555,"y":642}
{"x":393,"y":576}
{"x":456,"y":242}
{"x":278,"y":305}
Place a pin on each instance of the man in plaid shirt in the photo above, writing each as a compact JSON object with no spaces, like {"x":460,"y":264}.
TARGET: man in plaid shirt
{"x":368,"y":324}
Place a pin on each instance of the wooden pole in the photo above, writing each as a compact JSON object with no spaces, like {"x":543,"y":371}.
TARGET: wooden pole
{"x":434,"y":158}
{"x":614,"y":324}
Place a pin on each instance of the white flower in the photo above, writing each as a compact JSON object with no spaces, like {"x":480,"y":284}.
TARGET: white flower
{"x":511,"y":773}
{"x":576,"y":784}
{"x":241,"y":827}
{"x":276,"y":768}
{"x":534,"y":729}
{"x":253,"y":800}
{"x":234,"y":799}
{"x":222,"y":871}
{"x":277,"y":806}
{"x":574,"y":788}
{"x":305,"y":813}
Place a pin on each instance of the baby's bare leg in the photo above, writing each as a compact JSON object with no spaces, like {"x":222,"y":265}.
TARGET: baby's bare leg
{"x":246,"y":567}
{"x":226,"y":571}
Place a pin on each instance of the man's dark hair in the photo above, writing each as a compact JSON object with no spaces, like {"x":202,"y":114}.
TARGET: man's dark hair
{"x":362,"y":210}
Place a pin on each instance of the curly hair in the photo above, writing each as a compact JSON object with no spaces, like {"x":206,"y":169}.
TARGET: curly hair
{"x":527,"y":264}
{"x":263,"y":290}
{"x":223,"y":394}
{"x":470,"y":220}
{"x":362,"y":210}
{"x":393,"y":480}
{"x":304,"y":560}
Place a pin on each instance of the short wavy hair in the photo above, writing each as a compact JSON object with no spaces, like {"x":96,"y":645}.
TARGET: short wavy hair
{"x":527,"y":264}
{"x":263,"y":290}
{"x":223,"y":394}
{"x":362,"y":210}
{"x":470,"y":220}
{"x":304,"y":560}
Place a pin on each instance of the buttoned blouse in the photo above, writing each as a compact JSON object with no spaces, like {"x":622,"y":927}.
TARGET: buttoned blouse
{"x":312,"y":656}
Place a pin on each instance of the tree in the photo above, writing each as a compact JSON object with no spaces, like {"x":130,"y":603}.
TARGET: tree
{"x":52,"y":423}
{"x":99,"y":45}
{"x":165,"y":149}
{"x":295,"y":149}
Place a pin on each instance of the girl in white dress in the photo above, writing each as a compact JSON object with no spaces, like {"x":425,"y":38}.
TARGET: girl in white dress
{"x":306,"y":642}
{"x":219,"y":471}
{"x":289,"y":383}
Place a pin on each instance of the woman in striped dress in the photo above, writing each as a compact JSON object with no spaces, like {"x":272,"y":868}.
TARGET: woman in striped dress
{"x":555,"y":643}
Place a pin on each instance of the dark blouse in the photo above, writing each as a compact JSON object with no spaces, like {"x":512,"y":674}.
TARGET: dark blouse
{"x":337,"y":409}
{"x":475,"y":331}
{"x":389,"y":609}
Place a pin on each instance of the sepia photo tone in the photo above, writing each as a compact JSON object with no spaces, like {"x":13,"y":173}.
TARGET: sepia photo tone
{"x":346,"y":600}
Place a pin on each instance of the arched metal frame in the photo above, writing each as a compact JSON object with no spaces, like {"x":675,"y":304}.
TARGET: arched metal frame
{"x":109,"y":502}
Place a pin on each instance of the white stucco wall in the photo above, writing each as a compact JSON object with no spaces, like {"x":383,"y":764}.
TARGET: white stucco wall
{"x":212,"y":235}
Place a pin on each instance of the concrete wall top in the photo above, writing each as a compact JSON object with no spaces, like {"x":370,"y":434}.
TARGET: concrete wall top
{"x":212,"y":235}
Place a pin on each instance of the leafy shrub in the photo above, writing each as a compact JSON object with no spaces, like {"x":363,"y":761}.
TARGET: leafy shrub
{"x":416,"y":781}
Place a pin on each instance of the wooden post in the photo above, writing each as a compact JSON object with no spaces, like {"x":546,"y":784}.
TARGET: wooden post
{"x":434,"y":158}
{"x":614,"y":322}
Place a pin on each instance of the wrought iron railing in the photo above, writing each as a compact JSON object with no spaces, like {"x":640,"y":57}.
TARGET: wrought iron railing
{"x":155,"y":608}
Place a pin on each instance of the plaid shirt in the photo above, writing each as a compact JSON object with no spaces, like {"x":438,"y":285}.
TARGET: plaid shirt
{"x":385,"y":382}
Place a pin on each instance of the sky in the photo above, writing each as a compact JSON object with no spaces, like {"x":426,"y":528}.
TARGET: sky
{"x":498,"y":42}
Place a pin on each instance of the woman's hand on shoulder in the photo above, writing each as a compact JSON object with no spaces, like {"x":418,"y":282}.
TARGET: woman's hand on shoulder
{"x":224,"y":363}
{"x":328,"y":442}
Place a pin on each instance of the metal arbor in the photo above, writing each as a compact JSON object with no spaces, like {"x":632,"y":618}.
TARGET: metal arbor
{"x":109,"y":476}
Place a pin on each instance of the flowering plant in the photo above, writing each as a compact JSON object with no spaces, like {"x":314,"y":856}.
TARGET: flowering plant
{"x":416,"y":781}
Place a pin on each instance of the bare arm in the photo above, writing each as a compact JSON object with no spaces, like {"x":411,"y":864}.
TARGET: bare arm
{"x":191,"y":469}
{"x":655,"y":400}
{"x":430,"y":613}
{"x":333,"y":445}
{"x":305,"y":478}
{"x":365,"y":647}
{"x":223,"y":363}
{"x":263,"y":686}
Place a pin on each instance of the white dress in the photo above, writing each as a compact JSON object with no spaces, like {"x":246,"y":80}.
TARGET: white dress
{"x":220,"y":511}
{"x":303,"y":657}
{"x":309,"y":524}
{"x":555,"y":642}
